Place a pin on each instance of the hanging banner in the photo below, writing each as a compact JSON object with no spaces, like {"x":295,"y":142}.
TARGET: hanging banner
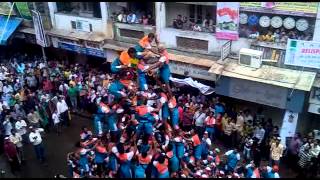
{"x":5,"y":8}
{"x":303,"y":53}
{"x":39,"y":31}
{"x":288,"y":8}
{"x":24,"y":10}
{"x":289,"y":125}
{"x":227,"y":20}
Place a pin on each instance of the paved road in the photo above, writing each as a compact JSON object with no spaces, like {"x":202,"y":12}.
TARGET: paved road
{"x":56,"y":149}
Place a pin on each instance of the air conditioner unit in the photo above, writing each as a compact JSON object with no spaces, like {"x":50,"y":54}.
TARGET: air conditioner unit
{"x":250,"y":57}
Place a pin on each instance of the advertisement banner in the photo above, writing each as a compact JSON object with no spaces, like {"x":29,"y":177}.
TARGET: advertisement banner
{"x":227,"y":20}
{"x":303,"y":53}
{"x":294,"y":8}
{"x":24,"y":10}
{"x":38,"y":27}
{"x":289,"y":125}
{"x":5,"y":8}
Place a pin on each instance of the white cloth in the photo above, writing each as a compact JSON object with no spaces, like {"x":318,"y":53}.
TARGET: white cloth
{"x":204,"y":89}
{"x":62,"y":107}
{"x":55,"y":118}
{"x":35,"y":137}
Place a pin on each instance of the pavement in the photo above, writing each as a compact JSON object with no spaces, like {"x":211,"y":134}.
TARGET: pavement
{"x":57,"y":147}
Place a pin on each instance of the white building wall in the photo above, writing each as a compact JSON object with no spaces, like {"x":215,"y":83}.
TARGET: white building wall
{"x":63,"y":21}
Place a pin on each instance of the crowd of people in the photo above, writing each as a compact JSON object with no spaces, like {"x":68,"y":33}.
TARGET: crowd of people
{"x":207,"y":25}
{"x":134,"y":17}
{"x":144,"y":127}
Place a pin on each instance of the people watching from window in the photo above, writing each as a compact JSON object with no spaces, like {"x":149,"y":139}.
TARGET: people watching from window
{"x":178,"y":23}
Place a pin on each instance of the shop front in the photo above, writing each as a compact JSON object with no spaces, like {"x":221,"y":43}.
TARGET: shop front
{"x":261,"y":26}
{"x":279,"y":91}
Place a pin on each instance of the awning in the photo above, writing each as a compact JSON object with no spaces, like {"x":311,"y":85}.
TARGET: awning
{"x":7,"y":30}
{"x":88,"y":36}
{"x":292,"y":79}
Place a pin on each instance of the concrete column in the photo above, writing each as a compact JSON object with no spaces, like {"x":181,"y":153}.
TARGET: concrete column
{"x":316,"y":33}
{"x":52,"y":10}
{"x":160,"y":17}
{"x":104,"y":16}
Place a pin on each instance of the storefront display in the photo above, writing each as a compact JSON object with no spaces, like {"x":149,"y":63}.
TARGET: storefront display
{"x":289,"y":23}
{"x":243,"y":18}
{"x":302,"y":24}
{"x":276,"y":22}
{"x":264,"y":21}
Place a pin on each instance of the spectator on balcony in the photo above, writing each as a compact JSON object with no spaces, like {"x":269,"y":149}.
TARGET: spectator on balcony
{"x":131,"y":18}
{"x":178,"y":23}
{"x":145,"y":20}
{"x":151,"y":20}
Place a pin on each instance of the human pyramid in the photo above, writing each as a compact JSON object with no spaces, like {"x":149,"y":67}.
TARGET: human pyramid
{"x":137,"y":127}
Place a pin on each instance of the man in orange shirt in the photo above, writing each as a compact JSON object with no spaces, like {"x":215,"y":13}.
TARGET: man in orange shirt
{"x":144,"y":48}
{"x":124,"y":61}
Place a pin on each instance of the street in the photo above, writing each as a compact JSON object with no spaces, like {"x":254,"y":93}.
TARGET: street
{"x":56,"y":149}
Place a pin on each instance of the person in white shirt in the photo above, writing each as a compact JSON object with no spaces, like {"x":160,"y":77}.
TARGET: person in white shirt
{"x":16,"y":139}
{"x":63,"y":87}
{"x":36,"y":140}
{"x":62,"y":111}
{"x":199,"y":122}
{"x":7,"y":123}
{"x":259,"y":133}
{"x":56,"y":121}
{"x":7,"y":88}
{"x":21,"y":127}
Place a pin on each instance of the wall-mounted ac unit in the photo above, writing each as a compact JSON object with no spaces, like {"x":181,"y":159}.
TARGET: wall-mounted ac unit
{"x":81,"y":26}
{"x":250,"y":57}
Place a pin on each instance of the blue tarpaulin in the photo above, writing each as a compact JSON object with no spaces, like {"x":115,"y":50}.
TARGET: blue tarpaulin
{"x":12,"y":25}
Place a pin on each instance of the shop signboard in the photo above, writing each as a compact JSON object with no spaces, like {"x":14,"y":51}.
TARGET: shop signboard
{"x":192,"y":70}
{"x":289,"y":8}
{"x":39,"y":30}
{"x":227,"y":20}
{"x":289,"y":125}
{"x":82,"y":50}
{"x":24,"y":10}
{"x":303,"y":53}
{"x":258,"y":93}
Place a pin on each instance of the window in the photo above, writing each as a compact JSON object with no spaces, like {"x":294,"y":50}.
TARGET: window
{"x":133,"y":13}
{"x":195,"y":17}
{"x":84,"y":9}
